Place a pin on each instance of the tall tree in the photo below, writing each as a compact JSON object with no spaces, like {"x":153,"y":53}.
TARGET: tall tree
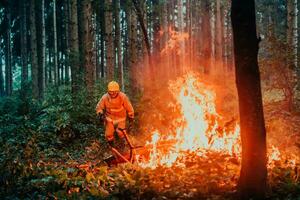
{"x":67,"y":18}
{"x":1,"y":77}
{"x":180,"y":30}
{"x":140,"y":17}
{"x":41,"y":45}
{"x":102,"y":33}
{"x":253,"y":175}
{"x":292,"y":45}
{"x":206,"y":47}
{"x":189,"y":31}
{"x":97,"y":36}
{"x":156,"y":28}
{"x":119,"y":43}
{"x":33,"y":44}
{"x":219,"y":44}
{"x":74,"y":48}
{"x":132,"y":52}
{"x":212,"y":20}
{"x":8,"y":54}
{"x":56,"y":67}
{"x":109,"y":40}
{"x":88,"y":46}
{"x":23,"y":32}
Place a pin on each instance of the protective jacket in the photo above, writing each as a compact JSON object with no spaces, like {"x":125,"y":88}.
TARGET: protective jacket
{"x":115,"y":108}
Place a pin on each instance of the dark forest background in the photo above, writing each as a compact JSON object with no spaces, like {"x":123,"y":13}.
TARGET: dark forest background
{"x":57,"y":56}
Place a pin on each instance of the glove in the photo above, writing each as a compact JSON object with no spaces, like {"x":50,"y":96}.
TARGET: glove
{"x":130,"y":124}
{"x":101,"y":117}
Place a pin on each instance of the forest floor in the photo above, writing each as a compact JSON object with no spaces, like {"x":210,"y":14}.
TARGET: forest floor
{"x":75,"y":170}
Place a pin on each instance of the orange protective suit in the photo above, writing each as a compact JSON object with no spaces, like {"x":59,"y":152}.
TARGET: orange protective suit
{"x":115,"y":110}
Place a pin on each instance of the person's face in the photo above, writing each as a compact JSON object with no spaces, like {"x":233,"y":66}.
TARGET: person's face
{"x":113,"y":94}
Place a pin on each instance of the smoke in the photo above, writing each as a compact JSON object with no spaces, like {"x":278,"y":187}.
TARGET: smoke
{"x":175,"y":59}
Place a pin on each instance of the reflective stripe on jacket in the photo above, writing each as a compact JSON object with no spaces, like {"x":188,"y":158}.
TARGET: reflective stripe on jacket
{"x":115,"y":108}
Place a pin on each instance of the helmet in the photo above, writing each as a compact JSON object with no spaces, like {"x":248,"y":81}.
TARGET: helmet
{"x":113,"y":86}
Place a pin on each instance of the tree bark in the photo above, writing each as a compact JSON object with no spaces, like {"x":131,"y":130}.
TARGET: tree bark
{"x":118,"y":43}
{"x":219,"y":44}
{"x":56,"y":67}
{"x":109,"y":40}
{"x":8,"y":53}
{"x":128,"y":11}
{"x":67,"y":18}
{"x":180,"y":30}
{"x":88,"y":46}
{"x":74,"y":48}
{"x":212,"y":20}
{"x":206,"y":47}
{"x":1,"y":78}
{"x":41,"y":46}
{"x":156,"y":29}
{"x":34,"y":57}
{"x":144,"y":29}
{"x":292,"y":46}
{"x":132,"y":43}
{"x":253,"y":175}
{"x":189,"y":30}
{"x":97,"y":43}
{"x":23,"y":32}
{"x":102,"y":32}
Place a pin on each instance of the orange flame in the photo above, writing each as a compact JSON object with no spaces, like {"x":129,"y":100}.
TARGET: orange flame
{"x":196,"y":130}
{"x":199,"y":128}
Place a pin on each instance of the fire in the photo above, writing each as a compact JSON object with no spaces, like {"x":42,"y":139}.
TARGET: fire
{"x":197,"y":129}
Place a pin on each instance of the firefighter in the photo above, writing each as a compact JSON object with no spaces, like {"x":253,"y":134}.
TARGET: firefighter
{"x":113,"y":108}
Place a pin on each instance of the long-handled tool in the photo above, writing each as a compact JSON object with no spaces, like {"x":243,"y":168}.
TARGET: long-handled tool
{"x":124,"y":158}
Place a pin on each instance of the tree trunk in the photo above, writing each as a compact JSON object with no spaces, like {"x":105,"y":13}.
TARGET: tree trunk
{"x":8,"y":53}
{"x":1,"y":78}
{"x":144,"y":29}
{"x":67,"y":18}
{"x":189,"y":31}
{"x":23,"y":32}
{"x":253,"y":175}
{"x":88,"y":46}
{"x":56,"y":67}
{"x":225,"y":38}
{"x":218,"y":42}
{"x":164,"y":39}
{"x":292,"y":45}
{"x":74,"y":48}
{"x":97,"y":44}
{"x":132,"y":37}
{"x":128,"y":11}
{"x":41,"y":46}
{"x":109,"y":40}
{"x":34,"y":58}
{"x":212,"y":20}
{"x":156,"y":29}
{"x":102,"y":26}
{"x":118,"y":43}
{"x":206,"y":47}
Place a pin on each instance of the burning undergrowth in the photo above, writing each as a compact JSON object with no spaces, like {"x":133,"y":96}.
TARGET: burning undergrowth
{"x":183,"y":121}
{"x":189,"y":126}
{"x":188,"y":123}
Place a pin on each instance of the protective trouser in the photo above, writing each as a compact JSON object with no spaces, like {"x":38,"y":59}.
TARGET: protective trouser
{"x":111,"y":127}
